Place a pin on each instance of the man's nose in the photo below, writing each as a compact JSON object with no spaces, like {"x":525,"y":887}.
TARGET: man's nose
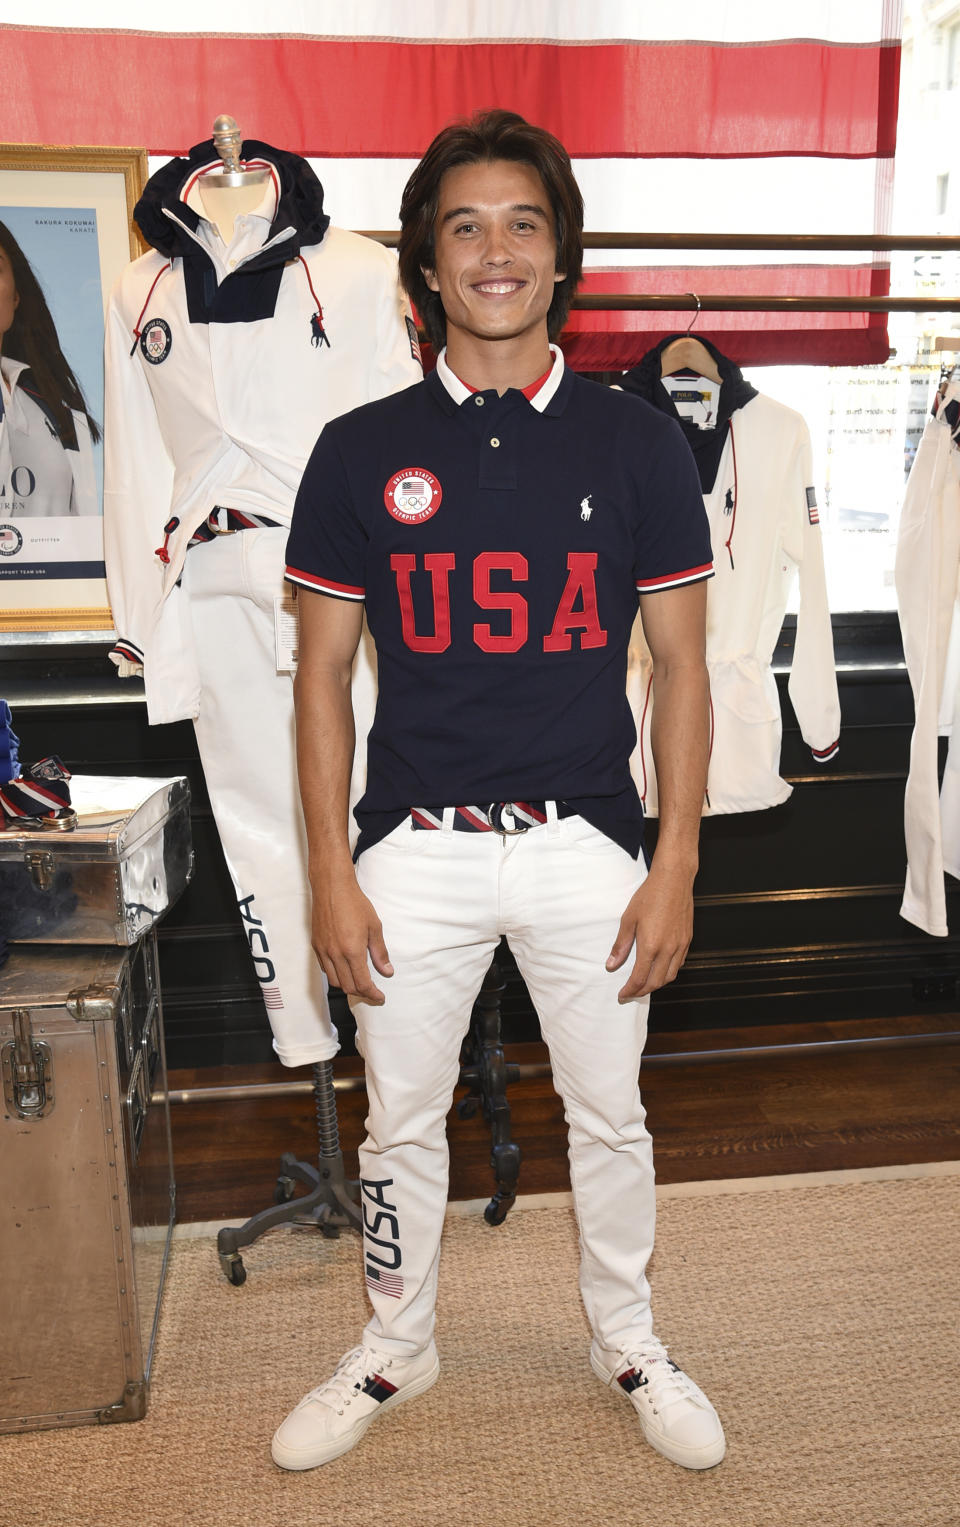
{"x":497,"y":250}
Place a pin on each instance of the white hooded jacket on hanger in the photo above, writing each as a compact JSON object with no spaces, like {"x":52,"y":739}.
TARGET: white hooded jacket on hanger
{"x":765,"y":534}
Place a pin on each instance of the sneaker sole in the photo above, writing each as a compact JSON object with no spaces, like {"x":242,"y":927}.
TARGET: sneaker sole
{"x":311,"y":1458}
{"x":686,"y":1457}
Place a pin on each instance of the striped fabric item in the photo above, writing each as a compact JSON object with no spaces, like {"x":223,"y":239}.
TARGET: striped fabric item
{"x":42,"y":790}
{"x":229,"y":520}
{"x":719,"y":115}
{"x":502,"y":816}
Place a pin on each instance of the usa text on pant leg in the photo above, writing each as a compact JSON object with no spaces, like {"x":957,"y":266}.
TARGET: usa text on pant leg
{"x":245,"y":735}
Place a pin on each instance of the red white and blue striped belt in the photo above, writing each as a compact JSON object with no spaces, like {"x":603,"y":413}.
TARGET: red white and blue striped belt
{"x":504,"y":817}
{"x":226,"y":522}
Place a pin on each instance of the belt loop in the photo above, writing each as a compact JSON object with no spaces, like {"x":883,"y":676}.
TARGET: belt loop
{"x":449,"y":816}
{"x":553,"y":821}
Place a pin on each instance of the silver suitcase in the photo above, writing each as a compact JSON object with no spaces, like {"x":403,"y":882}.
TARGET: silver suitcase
{"x":106,"y":879}
{"x":87,"y":1188}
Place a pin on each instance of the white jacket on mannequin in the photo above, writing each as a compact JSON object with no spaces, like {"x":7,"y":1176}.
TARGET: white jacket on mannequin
{"x":224,"y":362}
{"x":226,"y":412}
{"x":927,"y":563}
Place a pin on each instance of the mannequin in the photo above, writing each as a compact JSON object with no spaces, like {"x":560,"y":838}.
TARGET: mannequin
{"x":235,"y":190}
{"x":222,"y":367}
{"x":753,"y":457}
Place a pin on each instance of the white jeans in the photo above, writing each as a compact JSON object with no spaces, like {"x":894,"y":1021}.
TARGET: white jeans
{"x":444,"y":898}
{"x":245,"y":737}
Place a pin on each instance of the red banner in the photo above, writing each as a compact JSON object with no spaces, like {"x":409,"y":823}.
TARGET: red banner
{"x":376,"y":98}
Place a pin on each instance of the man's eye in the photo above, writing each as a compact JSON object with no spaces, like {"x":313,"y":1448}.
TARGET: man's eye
{"x":465,"y":228}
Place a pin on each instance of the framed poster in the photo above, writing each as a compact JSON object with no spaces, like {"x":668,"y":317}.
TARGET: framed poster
{"x":66,"y":232}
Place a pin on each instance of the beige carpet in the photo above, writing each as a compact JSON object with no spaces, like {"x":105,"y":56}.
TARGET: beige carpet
{"x":821,"y":1320}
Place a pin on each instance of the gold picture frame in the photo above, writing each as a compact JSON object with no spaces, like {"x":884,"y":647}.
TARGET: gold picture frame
{"x":70,"y":212}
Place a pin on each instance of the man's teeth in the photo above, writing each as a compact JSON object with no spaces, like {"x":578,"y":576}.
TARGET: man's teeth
{"x":499,"y":288}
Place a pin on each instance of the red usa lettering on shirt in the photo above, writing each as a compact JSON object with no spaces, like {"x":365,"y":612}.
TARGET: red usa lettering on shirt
{"x":576,"y":611}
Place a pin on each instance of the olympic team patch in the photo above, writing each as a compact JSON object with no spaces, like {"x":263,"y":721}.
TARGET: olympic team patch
{"x":813,"y":513}
{"x":10,"y":540}
{"x":412,"y":495}
{"x":156,"y":340}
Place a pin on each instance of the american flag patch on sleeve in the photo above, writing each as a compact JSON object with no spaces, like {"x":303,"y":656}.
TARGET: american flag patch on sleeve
{"x":813,"y":512}
{"x":414,"y":341}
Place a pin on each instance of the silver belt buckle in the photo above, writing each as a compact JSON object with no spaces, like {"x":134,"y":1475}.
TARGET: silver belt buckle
{"x":220,"y":530}
{"x":500,"y":810}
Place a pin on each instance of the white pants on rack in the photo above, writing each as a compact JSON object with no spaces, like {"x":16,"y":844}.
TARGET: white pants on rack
{"x":557,"y":892}
{"x":245,"y":737}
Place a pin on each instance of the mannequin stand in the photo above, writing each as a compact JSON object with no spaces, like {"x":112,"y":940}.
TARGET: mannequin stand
{"x":483,"y":1066}
{"x":331,"y":1202}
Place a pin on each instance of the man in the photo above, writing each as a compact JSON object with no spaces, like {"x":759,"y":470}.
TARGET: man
{"x":497,"y":522}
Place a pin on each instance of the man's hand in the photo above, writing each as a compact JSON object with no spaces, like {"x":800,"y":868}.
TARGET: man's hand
{"x":659,"y":922}
{"x":345,"y":928}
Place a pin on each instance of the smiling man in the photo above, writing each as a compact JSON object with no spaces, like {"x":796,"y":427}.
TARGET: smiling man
{"x":498,"y":523}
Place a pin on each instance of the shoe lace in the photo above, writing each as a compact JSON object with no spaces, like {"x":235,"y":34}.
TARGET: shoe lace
{"x":347,"y":1378}
{"x":668,"y":1384}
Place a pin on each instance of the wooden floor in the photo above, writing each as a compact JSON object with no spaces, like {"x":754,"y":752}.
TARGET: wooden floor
{"x":741,"y":1113}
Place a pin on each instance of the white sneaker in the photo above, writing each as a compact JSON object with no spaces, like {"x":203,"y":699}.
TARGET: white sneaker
{"x":676,"y":1417}
{"x":332,"y":1418}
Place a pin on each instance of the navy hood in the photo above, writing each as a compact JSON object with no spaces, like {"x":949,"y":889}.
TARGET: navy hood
{"x":250,"y":292}
{"x":707,"y":444}
{"x":299,"y":204}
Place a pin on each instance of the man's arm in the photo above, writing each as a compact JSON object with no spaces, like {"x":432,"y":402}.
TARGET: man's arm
{"x":659,"y":917}
{"x":345,"y":925}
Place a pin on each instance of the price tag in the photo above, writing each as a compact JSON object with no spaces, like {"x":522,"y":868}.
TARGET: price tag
{"x":286,"y":620}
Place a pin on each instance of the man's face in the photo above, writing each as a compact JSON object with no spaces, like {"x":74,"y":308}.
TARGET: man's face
{"x":495,"y":248}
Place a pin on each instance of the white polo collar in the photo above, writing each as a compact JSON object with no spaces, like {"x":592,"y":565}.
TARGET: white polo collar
{"x":459,"y":393}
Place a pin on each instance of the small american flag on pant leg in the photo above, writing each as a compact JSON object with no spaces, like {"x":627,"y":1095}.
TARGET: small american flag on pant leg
{"x":387,"y":1282}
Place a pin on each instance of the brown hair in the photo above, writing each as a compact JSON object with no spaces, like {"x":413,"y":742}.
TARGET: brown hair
{"x":485,"y":137}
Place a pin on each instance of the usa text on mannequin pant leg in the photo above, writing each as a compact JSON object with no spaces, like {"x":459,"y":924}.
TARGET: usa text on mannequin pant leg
{"x":245,"y":735}
{"x":436,"y":896}
{"x":564,"y":892}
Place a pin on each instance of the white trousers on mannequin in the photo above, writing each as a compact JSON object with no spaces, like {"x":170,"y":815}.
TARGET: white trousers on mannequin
{"x":557,"y":892}
{"x":245,"y":737}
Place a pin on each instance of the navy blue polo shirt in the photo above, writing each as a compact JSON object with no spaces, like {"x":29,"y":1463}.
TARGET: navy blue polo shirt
{"x":499,"y":545}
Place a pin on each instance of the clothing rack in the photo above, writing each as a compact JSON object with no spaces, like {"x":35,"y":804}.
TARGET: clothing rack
{"x":872,"y":243}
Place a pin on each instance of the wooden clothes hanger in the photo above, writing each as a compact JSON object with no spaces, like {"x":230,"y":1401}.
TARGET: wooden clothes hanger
{"x":687,"y":353}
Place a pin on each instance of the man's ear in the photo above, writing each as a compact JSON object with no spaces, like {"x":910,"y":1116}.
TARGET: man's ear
{"x":430,"y":276}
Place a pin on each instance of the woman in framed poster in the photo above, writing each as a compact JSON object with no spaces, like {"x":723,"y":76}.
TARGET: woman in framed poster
{"x":46,"y":429}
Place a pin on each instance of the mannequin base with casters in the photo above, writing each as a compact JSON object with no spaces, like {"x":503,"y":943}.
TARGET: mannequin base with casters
{"x":331,"y":1202}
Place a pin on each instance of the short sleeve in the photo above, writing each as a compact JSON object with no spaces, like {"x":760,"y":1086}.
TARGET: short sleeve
{"x":327,"y":545}
{"x":672,"y":536}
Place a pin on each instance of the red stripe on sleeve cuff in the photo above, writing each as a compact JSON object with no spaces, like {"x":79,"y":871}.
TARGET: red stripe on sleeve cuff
{"x":324,"y":585}
{"x":824,"y":755}
{"x":675,"y":580}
